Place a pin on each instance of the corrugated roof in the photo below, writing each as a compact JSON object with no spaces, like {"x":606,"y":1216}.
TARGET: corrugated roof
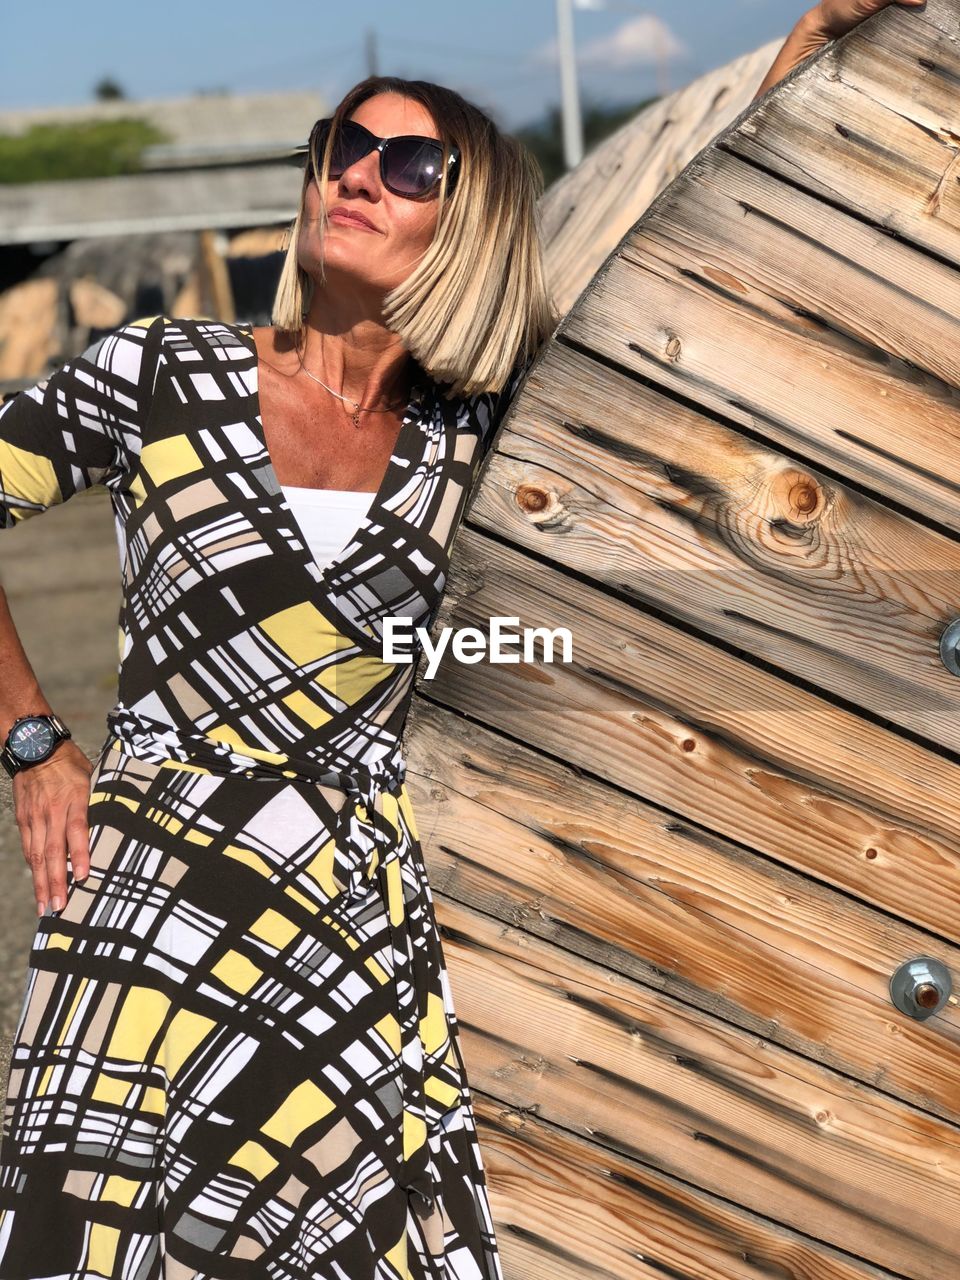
{"x":247,"y":196}
{"x":216,"y":172}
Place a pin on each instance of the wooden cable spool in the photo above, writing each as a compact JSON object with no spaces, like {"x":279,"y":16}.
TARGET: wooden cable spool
{"x":677,"y":875}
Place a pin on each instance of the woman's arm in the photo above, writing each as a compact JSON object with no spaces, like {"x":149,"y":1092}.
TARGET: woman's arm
{"x":50,"y":799}
{"x":81,"y":426}
{"x":826,"y":21}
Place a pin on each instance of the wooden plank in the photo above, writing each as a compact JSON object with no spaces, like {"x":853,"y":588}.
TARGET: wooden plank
{"x":646,"y":1077}
{"x":711,"y":737}
{"x":872,"y":125}
{"x":599,"y":473}
{"x":527,"y":840}
{"x":777,"y":312}
{"x":567,"y":1208}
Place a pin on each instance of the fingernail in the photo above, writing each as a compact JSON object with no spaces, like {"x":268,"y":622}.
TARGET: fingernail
{"x":41,"y":908}
{"x":57,"y":903}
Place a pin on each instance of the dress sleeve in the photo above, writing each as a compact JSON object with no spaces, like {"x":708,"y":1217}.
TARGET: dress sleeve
{"x":82,"y":425}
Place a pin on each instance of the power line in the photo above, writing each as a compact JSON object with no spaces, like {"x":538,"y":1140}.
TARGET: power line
{"x":305,"y":62}
{"x":458,"y":49}
{"x":308,"y":62}
{"x":513,"y":79}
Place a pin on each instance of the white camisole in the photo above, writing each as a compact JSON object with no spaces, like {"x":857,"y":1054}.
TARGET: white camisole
{"x":328,"y":518}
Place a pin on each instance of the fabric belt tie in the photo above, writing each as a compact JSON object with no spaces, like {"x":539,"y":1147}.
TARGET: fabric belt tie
{"x":155,"y":743}
{"x":417,"y":1175}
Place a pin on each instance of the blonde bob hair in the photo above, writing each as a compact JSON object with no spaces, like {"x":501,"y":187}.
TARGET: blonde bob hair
{"x":477,"y":301}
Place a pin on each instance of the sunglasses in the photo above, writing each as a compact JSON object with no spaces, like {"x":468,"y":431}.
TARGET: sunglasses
{"x":409,"y":165}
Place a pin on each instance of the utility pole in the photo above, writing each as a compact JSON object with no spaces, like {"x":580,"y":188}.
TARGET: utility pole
{"x":663,"y":68}
{"x":569,"y":93}
{"x":371,"y":43}
{"x":572,"y":122}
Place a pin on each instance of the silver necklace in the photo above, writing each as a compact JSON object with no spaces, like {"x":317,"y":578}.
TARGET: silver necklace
{"x":355,"y":414}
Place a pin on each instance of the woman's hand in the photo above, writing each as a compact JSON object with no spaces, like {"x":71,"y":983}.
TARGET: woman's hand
{"x":50,"y":801}
{"x":836,"y":17}
{"x":826,"y":21}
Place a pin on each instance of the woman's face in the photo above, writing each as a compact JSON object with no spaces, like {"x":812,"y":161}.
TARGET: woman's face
{"x":383,"y":257}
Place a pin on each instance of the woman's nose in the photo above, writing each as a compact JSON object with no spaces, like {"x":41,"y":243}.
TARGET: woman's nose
{"x":363,"y":175}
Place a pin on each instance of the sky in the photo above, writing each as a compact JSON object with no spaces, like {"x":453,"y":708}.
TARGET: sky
{"x":501,"y":54}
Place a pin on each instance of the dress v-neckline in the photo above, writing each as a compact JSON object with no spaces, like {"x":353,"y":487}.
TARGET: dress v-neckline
{"x":401,"y":454}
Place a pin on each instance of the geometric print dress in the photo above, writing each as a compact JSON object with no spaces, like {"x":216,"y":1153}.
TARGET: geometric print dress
{"x":238,"y":1056}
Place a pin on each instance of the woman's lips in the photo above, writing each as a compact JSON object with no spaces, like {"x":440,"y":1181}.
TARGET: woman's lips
{"x":348,"y":220}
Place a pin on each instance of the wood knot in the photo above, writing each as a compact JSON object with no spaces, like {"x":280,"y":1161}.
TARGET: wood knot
{"x":799,"y":495}
{"x":804,"y":498}
{"x":532,"y":499}
{"x":673,"y":348}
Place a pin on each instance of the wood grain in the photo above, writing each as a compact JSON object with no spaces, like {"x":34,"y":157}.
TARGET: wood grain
{"x":871,"y":125}
{"x":648,"y":707}
{"x":602,"y":1057}
{"x":560,"y":1200}
{"x":545,"y":848}
{"x":677,"y":873}
{"x":796,"y":321}
{"x":654,"y":499}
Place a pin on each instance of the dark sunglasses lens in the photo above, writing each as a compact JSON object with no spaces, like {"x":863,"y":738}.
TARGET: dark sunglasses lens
{"x":350,"y":145}
{"x":412,"y":167}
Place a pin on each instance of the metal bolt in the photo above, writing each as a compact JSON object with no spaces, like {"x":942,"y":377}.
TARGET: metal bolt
{"x":950,"y":647}
{"x":921,"y":987}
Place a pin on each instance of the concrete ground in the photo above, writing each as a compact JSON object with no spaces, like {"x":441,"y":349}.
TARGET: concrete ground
{"x":60,"y":571}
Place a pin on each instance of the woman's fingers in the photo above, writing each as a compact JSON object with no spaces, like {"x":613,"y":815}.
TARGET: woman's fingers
{"x":55,"y":856}
{"x":52,"y":802}
{"x":36,"y":858}
{"x":837,"y":17}
{"x":78,"y":839}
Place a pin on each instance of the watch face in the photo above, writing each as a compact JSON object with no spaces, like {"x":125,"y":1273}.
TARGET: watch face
{"x":32,"y":740}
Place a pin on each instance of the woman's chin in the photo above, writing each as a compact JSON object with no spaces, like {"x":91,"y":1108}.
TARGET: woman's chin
{"x":351,"y":277}
{"x":346,"y":257}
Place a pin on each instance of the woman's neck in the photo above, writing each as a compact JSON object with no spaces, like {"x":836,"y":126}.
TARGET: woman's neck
{"x":367,"y":365}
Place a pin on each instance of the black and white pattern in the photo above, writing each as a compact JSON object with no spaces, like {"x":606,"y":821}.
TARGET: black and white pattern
{"x":238,"y":1054}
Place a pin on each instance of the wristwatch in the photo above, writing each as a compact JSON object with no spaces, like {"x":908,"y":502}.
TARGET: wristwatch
{"x":31,"y":740}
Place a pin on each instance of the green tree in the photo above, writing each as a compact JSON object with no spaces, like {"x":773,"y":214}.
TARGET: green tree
{"x":85,"y":149}
{"x":108,"y":90}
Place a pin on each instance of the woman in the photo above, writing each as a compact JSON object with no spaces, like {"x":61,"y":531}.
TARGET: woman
{"x":238,"y":1055}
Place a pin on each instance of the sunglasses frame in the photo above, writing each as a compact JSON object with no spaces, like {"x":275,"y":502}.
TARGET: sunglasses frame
{"x":380,"y":145}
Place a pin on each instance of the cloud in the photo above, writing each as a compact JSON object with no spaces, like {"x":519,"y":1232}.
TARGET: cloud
{"x":640,"y":41}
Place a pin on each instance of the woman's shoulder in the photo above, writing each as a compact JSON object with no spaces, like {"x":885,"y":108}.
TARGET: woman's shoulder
{"x":198,"y":345}
{"x":197,"y":358}
{"x":197,"y":331}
